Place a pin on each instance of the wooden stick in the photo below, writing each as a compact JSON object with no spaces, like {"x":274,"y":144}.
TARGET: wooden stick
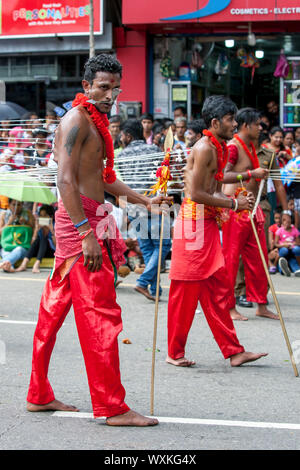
{"x":156,"y":315}
{"x":274,"y":296}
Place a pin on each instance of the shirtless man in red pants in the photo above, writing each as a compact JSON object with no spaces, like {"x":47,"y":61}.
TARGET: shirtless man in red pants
{"x":85,"y":261}
{"x":198,"y":270}
{"x":238,"y":236}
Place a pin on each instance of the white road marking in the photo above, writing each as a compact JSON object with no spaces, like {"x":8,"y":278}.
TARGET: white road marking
{"x":21,"y":322}
{"x":206,"y":422}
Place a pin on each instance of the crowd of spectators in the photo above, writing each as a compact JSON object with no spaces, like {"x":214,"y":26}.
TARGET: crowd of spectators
{"x":29,"y":144}
{"x":26,"y":228}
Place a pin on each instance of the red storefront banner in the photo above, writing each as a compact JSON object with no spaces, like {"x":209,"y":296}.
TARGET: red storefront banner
{"x":209,"y":11}
{"x":26,"y":18}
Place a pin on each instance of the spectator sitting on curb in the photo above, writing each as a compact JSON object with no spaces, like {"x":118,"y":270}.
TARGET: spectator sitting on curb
{"x":273,"y":254}
{"x":16,"y":226}
{"x":43,"y":240}
{"x":287,"y":240}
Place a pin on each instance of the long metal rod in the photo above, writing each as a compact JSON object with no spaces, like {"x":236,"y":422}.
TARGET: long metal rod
{"x":156,"y":316}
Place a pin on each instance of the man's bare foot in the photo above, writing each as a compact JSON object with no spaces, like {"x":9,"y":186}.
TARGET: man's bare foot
{"x":131,"y":418}
{"x":54,"y":405}
{"x":181,"y":362}
{"x":262,"y":311}
{"x":235,"y":315}
{"x":145,"y":292}
{"x":242,"y":358}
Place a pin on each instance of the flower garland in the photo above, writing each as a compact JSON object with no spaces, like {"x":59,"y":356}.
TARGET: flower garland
{"x":253,"y":156}
{"x":101,"y":122}
{"x":222,"y":154}
{"x":194,"y":211}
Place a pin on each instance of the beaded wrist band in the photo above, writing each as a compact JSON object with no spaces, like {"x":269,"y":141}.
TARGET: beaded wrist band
{"x":81,"y":223}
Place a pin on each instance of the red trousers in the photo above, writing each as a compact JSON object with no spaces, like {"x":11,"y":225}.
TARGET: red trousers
{"x":239,"y":240}
{"x":212,"y":293}
{"x":98,"y":321}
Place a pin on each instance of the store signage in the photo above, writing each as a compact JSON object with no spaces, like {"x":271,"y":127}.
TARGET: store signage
{"x":46,"y":18}
{"x":209,"y":11}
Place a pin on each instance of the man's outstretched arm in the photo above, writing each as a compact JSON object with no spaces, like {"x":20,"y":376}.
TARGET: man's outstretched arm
{"x":118,"y":188}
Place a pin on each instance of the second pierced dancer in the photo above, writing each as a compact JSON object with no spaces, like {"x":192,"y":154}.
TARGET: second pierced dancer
{"x":198,"y":270}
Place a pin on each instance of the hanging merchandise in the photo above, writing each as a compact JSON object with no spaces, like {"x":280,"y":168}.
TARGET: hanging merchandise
{"x":166,"y":68}
{"x":184,"y":71}
{"x":282,"y":66}
{"x":197,"y":59}
{"x":222,"y":64}
{"x":248,"y":60}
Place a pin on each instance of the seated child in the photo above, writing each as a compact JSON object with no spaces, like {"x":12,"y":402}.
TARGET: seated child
{"x":287,"y":241}
{"x":273,"y":254}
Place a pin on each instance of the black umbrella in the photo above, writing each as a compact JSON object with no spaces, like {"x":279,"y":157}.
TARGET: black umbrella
{"x":9,"y":110}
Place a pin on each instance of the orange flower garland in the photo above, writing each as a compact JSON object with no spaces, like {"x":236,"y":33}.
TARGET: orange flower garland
{"x":101,"y":122}
{"x":222,"y":154}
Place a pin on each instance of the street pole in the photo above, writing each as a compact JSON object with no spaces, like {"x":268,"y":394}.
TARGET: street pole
{"x":92,"y":39}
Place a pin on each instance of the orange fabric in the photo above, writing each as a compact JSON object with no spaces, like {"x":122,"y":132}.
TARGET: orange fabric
{"x":196,"y":247}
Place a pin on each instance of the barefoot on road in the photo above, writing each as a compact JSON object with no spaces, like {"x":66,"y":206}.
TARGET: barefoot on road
{"x":54,"y":405}
{"x":262,"y":311}
{"x":131,"y":418}
{"x":181,"y":362}
{"x":235,"y":315}
{"x":244,"y":357}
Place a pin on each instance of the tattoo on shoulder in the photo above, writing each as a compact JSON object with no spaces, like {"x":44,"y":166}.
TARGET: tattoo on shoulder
{"x":71,"y":139}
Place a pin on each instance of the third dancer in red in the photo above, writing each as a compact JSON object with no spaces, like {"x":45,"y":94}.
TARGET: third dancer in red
{"x":238,"y":236}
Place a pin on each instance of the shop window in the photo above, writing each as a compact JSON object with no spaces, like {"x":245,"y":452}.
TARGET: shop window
{"x":19,"y":66}
{"x":67,"y":66}
{"x":43,"y":65}
{"x":4,"y":67}
{"x":82,"y":61}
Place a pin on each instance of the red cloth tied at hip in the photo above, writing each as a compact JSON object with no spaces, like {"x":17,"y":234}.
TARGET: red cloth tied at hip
{"x":196,"y":250}
{"x":68,"y":242}
{"x":243,"y":217}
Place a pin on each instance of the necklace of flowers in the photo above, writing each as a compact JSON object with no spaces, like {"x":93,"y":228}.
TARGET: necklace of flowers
{"x":253,"y":156}
{"x":101,"y":122}
{"x":222,"y":154}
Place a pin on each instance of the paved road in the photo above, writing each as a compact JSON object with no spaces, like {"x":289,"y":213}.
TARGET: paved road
{"x":211,"y":406}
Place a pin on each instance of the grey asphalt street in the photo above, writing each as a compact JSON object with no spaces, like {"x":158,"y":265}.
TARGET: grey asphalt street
{"x":212,"y":405}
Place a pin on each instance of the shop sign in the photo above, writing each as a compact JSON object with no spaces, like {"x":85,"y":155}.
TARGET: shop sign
{"x":28,"y":18}
{"x":209,"y":11}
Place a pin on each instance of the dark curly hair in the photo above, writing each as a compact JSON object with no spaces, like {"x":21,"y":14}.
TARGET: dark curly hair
{"x":216,"y":107}
{"x":101,"y":63}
